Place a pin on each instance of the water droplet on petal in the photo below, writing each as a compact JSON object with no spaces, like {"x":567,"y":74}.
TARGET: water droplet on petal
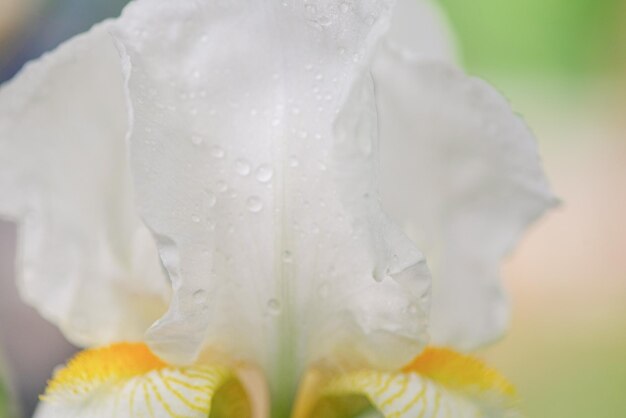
{"x":287,"y":256}
{"x":221,"y":186}
{"x":254,"y":204}
{"x":211,"y":199}
{"x":195,"y":219}
{"x":242,"y":167}
{"x":273,"y":306}
{"x":293,"y":162}
{"x":264,"y":173}
{"x":324,"y":21}
{"x":196,"y":140}
{"x":199,"y":296}
{"x":379,"y":274}
{"x":323,"y":290}
{"x":217,"y":151}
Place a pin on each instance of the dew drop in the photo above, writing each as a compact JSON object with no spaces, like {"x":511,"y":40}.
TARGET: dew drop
{"x":413,"y":309}
{"x":221,"y":186}
{"x":211,"y":199}
{"x":324,"y":21}
{"x":217,"y":151}
{"x":195,"y":219}
{"x":242,"y":167}
{"x":264,"y":173}
{"x":254,"y":204}
{"x":273,"y":306}
{"x":344,"y":7}
{"x":380,"y":274}
{"x":323,"y":290}
{"x":196,"y":140}
{"x":199,"y":296}
{"x":293,"y":162}
{"x":287,"y":256}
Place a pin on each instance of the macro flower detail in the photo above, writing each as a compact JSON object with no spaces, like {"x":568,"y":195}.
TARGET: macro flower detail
{"x":203,"y":190}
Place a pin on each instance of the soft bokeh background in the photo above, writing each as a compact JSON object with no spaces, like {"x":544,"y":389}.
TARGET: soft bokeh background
{"x":562,"y":63}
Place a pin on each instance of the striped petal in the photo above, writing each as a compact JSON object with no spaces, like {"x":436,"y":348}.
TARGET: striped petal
{"x":438,"y":383}
{"x":127,"y":380}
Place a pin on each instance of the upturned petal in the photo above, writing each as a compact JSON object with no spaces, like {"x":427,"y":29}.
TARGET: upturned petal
{"x":86,"y":262}
{"x":462,"y":172}
{"x":254,"y":157}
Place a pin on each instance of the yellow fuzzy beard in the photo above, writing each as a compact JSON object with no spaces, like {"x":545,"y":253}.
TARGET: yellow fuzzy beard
{"x":91,"y":368}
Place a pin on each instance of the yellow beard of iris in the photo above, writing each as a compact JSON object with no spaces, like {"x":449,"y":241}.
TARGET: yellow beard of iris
{"x":438,"y":378}
{"x":91,"y":368}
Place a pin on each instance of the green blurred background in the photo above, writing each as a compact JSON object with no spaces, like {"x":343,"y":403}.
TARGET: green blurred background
{"x":562,"y":64}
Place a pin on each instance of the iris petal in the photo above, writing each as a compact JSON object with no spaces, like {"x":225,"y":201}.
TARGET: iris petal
{"x":86,"y":261}
{"x":255,"y":166}
{"x":462,"y":172}
{"x":438,"y":383}
{"x":127,"y":380}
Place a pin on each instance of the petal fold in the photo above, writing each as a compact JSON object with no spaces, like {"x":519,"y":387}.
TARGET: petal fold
{"x":462,"y":172}
{"x":86,"y":261}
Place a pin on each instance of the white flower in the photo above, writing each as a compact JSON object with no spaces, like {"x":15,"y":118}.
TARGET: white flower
{"x":244,"y":136}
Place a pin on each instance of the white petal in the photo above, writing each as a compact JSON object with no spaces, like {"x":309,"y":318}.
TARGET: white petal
{"x":254,"y":158}
{"x":420,"y":28}
{"x":86,"y":262}
{"x":462,"y":171}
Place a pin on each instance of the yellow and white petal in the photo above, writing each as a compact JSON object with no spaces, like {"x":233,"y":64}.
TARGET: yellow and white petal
{"x":438,"y":383}
{"x":128,"y":380}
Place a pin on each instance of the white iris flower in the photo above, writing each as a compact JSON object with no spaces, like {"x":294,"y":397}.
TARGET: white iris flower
{"x":200,"y":189}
